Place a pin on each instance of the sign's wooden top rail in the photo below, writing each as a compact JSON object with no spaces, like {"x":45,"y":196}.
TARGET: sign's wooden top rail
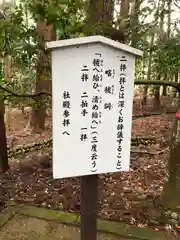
{"x":91,"y":40}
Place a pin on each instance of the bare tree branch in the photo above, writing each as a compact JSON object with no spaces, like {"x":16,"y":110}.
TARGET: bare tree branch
{"x":137,"y":82}
{"x":147,"y":151}
{"x":158,"y":82}
{"x":145,"y":115}
{"x":176,"y":4}
{"x":24,"y":95}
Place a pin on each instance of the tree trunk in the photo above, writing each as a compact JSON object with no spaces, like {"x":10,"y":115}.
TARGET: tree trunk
{"x":176,"y":78}
{"x":171,"y":191}
{"x":144,"y":101}
{"x":100,"y":20}
{"x":164,"y":93}
{"x":43,"y":76}
{"x":167,"y":36}
{"x":4,"y":166}
{"x":101,"y":11}
{"x":38,"y":114}
{"x":135,"y":21}
{"x":157,"y":103}
{"x":124,"y":8}
{"x":169,"y":19}
{"x":7,"y":67}
{"x":161,"y":35}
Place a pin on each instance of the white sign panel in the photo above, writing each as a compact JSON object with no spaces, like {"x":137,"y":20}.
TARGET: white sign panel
{"x":92,"y":109}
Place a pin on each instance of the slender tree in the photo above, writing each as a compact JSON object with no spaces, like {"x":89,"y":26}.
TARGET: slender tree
{"x":43,"y":77}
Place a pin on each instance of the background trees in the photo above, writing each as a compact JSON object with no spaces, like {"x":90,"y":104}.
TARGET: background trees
{"x":152,"y":26}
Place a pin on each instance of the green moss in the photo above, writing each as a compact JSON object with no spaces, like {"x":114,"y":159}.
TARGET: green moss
{"x":129,"y":231}
{"x":126,"y":230}
{"x":8,"y":214}
{"x":48,"y":214}
{"x":111,"y":227}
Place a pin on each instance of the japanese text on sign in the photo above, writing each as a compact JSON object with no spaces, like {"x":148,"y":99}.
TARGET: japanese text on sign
{"x":92,"y":123}
{"x":121,"y":104}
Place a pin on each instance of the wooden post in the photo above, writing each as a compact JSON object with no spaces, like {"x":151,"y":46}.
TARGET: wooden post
{"x":4,"y":166}
{"x":85,"y":132}
{"x":89,"y":203}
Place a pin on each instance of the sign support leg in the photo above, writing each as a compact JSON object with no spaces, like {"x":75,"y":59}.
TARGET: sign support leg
{"x":89,"y":202}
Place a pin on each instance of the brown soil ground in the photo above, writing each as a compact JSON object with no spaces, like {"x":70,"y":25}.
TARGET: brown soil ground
{"x":128,"y":197}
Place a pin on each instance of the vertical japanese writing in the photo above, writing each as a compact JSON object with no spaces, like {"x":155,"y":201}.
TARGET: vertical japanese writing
{"x":84,"y":75}
{"x":121,"y":103}
{"x":96,"y":101}
{"x":66,"y":111}
{"x":84,"y":102}
{"x":109,"y":89}
{"x":97,"y":72}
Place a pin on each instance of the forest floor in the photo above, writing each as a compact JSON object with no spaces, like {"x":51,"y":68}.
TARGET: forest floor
{"x":128,"y":197}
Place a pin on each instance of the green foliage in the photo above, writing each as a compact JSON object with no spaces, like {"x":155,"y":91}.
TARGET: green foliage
{"x":24,"y":43}
{"x":167,"y":56}
{"x":65,"y":15}
{"x":1,"y":72}
{"x":68,"y":18}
